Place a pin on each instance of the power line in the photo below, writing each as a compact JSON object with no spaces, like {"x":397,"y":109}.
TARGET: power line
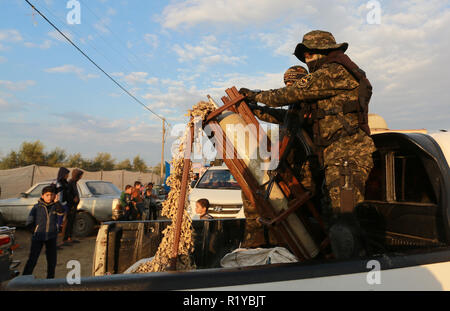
{"x":93,"y":62}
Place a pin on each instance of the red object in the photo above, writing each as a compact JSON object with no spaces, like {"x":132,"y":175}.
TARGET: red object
{"x":4,"y":239}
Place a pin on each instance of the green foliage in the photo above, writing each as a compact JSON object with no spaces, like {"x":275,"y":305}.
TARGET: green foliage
{"x":125,"y":165}
{"x":33,"y":153}
{"x":139,"y":164}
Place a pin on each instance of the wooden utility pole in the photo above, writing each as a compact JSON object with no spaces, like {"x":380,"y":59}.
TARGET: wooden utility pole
{"x":162,"y":149}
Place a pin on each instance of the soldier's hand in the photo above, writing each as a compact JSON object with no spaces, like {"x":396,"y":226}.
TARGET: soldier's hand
{"x":249,"y":94}
{"x":253,"y":106}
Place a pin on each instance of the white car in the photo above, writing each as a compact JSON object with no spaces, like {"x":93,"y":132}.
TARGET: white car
{"x":223,"y":192}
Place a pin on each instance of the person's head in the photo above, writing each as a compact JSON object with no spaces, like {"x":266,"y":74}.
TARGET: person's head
{"x":63,"y":174}
{"x":77,"y":174}
{"x":128,"y":189}
{"x":48,"y":194}
{"x":315,"y":46}
{"x":293,"y":74}
{"x":150,"y":186}
{"x":137,"y":184}
{"x":202,"y":206}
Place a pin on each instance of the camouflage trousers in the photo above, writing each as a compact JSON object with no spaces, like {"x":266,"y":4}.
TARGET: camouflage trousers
{"x":349,"y":154}
{"x":256,"y":235}
{"x":348,"y":163}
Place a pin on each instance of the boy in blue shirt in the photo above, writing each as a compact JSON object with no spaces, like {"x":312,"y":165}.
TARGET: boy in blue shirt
{"x":43,"y":220}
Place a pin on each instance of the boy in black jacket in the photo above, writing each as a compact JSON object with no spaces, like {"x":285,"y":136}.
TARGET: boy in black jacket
{"x":43,"y":220}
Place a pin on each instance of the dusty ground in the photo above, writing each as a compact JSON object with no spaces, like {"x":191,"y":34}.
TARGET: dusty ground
{"x":83,"y":252}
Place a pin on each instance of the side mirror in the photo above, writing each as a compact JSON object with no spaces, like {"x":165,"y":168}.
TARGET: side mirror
{"x":24,"y":195}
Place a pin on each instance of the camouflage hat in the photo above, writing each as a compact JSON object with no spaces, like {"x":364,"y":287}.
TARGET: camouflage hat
{"x":318,"y":40}
{"x":294,"y":73}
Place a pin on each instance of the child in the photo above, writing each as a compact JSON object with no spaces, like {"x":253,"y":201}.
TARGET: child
{"x":43,"y":221}
{"x":201,"y":208}
{"x":129,"y":211}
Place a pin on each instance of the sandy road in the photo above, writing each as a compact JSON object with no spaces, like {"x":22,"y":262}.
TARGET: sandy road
{"x":83,"y":252}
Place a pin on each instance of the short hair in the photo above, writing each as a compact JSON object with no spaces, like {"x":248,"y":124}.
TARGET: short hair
{"x":128,"y":187}
{"x":150,"y":184}
{"x":49,"y":188}
{"x":204,"y":203}
{"x":137,"y":183}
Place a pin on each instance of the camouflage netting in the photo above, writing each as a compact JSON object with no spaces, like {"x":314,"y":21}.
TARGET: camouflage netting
{"x":161,"y":260}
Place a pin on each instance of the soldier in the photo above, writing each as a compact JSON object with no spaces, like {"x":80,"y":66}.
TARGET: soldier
{"x":338,"y":94}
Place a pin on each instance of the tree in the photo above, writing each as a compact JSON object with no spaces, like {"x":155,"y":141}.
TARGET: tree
{"x":76,"y":160}
{"x":103,"y":161}
{"x":56,"y":157}
{"x":125,"y":165}
{"x":10,"y":161}
{"x":31,"y":153}
{"x":139,"y":164}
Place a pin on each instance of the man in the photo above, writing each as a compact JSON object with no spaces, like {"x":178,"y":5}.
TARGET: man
{"x":338,"y":94}
{"x":72,"y":205}
{"x":43,"y":221}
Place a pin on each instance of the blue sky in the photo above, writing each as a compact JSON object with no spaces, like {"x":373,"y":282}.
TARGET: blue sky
{"x":172,"y":54}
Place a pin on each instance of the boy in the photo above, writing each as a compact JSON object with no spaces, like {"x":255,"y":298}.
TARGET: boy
{"x":129,"y":211}
{"x":201,"y":208}
{"x":43,"y":220}
{"x":149,"y":201}
{"x":136,"y":197}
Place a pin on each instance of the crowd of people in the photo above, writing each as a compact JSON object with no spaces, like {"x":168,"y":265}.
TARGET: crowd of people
{"x":138,"y":203}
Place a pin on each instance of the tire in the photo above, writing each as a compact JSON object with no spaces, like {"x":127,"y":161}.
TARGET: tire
{"x":84,"y":225}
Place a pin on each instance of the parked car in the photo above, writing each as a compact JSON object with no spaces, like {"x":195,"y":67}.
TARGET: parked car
{"x":223,"y":192}
{"x":97,"y":199}
{"x":7,"y":246}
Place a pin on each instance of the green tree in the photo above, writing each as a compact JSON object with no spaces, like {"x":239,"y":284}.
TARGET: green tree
{"x":10,"y":161}
{"x":56,"y":157}
{"x":125,"y":165}
{"x":139,"y":164}
{"x":31,"y":153}
{"x":103,"y":161}
{"x":75,"y":160}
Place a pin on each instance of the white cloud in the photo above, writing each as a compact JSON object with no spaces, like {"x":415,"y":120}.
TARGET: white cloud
{"x":73,"y":70}
{"x":152,"y":40}
{"x":207,"y":52}
{"x":16,"y":86}
{"x":232,"y":12}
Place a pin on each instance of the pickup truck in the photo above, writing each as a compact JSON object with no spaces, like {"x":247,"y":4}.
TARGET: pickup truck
{"x":406,"y":217}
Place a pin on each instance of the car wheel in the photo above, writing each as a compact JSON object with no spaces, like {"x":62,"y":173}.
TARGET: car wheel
{"x":84,"y":225}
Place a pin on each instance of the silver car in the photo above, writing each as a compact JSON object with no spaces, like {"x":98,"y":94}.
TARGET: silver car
{"x":97,"y":200}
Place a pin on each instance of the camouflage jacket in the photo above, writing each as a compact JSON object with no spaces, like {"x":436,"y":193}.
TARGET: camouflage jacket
{"x":330,"y":87}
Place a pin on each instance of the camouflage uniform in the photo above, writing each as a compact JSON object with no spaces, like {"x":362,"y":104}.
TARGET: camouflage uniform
{"x":330,"y":86}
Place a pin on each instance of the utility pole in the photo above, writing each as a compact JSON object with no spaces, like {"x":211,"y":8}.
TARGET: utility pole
{"x":162,"y":149}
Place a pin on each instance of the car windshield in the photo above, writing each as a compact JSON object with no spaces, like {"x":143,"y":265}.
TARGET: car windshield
{"x":102,"y":188}
{"x":37,"y":191}
{"x":218,"y":179}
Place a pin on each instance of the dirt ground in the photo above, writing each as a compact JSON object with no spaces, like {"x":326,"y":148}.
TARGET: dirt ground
{"x":83,"y":252}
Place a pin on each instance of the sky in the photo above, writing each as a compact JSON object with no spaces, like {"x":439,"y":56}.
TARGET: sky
{"x":172,"y":54}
